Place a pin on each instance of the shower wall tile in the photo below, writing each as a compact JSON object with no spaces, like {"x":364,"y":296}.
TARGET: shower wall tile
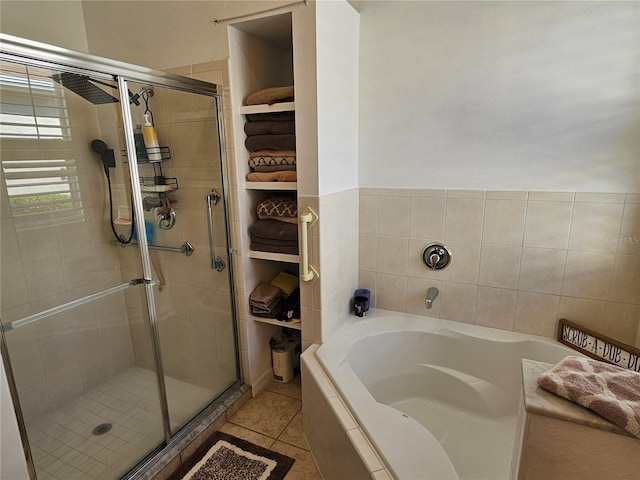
{"x":537,"y":257}
{"x":368,"y":218}
{"x":367,"y":252}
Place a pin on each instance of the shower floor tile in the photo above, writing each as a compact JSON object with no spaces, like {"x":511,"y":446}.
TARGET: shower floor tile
{"x":64,"y":447}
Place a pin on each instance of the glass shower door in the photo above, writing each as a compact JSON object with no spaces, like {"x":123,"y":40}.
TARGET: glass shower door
{"x":71,"y":303}
{"x":182,"y":195}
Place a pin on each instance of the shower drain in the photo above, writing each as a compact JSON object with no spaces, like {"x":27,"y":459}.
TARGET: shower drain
{"x":102,"y":429}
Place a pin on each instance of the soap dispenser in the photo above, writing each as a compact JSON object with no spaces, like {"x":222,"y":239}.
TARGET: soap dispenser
{"x":151,"y":140}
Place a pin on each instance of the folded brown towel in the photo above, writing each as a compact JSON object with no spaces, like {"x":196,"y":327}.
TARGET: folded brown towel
{"x":269,"y":128}
{"x":270,"y":95}
{"x":611,"y":391}
{"x":272,"y":153}
{"x":274,"y":168}
{"x":263,"y":247}
{"x":264,"y":294}
{"x":272,"y":117}
{"x":274,"y":242}
{"x":272,"y":229}
{"x":279,"y":176}
{"x":270,"y":142}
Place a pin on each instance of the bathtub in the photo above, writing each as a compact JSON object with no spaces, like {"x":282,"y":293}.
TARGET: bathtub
{"x":436,"y":399}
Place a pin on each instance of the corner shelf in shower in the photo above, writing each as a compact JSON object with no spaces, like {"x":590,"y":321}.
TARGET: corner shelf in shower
{"x":288,"y":186}
{"x":296,"y":325}
{"x":278,"y":257}
{"x":268,"y":108}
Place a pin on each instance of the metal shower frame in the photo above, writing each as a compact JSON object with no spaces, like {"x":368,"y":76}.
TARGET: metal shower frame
{"x":37,"y":54}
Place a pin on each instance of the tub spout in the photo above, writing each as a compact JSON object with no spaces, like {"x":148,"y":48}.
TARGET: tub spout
{"x":432,"y":293}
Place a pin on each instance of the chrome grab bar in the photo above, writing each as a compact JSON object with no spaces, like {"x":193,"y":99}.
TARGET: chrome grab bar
{"x":186,"y":247}
{"x":75,"y":303}
{"x":212,"y":199}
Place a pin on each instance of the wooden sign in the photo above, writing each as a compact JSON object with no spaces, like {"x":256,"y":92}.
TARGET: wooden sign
{"x":598,"y":346}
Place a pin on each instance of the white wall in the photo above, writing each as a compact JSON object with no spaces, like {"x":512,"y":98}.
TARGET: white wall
{"x":337,"y":31}
{"x":13,"y":464}
{"x":59,"y":23}
{"x":500,"y":95}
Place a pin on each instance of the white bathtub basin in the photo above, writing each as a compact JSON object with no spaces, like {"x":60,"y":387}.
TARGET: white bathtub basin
{"x":437,"y":399}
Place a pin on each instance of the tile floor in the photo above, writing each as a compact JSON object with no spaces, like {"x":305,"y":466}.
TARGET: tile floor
{"x":273,"y":419}
{"x":64,"y":447}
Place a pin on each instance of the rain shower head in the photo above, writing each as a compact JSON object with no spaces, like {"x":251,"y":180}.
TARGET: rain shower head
{"x":82,"y":86}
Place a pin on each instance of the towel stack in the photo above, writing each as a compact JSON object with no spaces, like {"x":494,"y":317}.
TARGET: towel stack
{"x":278,"y":299}
{"x":271,"y":138}
{"x":276,"y":229}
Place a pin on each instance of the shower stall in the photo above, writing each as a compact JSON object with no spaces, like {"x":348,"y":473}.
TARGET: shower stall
{"x":117,"y":311}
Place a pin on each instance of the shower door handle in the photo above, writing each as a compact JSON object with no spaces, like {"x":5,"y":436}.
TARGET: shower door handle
{"x":212,"y":199}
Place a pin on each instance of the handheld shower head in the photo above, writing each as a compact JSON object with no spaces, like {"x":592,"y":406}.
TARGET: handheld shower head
{"x":106,"y":154}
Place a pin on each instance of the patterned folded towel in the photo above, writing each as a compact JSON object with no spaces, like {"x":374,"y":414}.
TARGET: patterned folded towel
{"x":277,"y":176}
{"x":270,"y":142}
{"x":611,"y":391}
{"x":285,"y":163}
{"x":278,"y":208}
{"x":270,"y":95}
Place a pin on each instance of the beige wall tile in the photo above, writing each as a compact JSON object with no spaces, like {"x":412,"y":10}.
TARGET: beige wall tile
{"x":625,"y":280}
{"x":368,"y":214}
{"x":496,"y":307}
{"x":427,"y":217}
{"x":368,"y":252}
{"x":537,"y":313}
{"x":463,"y":220}
{"x":465,"y":194}
{"x":428,"y":192}
{"x":504,"y":222}
{"x":588,"y":275}
{"x":14,"y":286}
{"x":599,"y":197}
{"x":622,"y":322}
{"x":417,"y":293}
{"x":542,"y":270}
{"x":500,"y":266}
{"x":594,"y":226}
{"x":629,"y":239}
{"x":368,"y":280}
{"x":465,"y":263}
{"x":391,"y":292}
{"x":394,"y":192}
{"x":552,"y":196}
{"x":393,"y":215}
{"x":458,"y":302}
{"x":506,"y":195}
{"x":547,"y":224}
